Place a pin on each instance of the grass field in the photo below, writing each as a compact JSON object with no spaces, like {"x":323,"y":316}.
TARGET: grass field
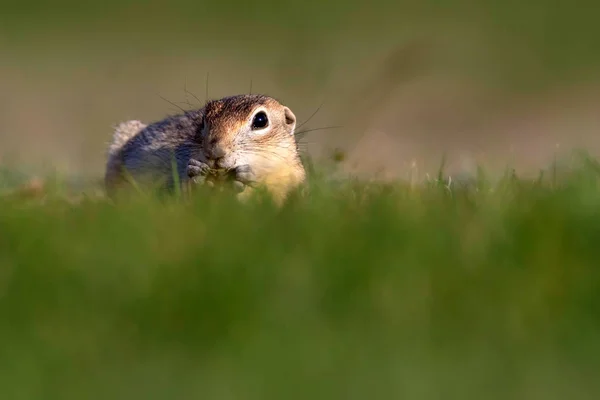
{"x":360,"y":290}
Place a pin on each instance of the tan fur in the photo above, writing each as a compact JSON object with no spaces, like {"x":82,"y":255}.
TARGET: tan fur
{"x":280,"y":182}
{"x":222,"y":127}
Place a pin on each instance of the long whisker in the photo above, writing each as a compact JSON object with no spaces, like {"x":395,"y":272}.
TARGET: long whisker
{"x":190,"y":93}
{"x":172,"y":103}
{"x":263,"y":149}
{"x":305,"y":144}
{"x":187,"y":103}
{"x":206,"y":93}
{"x":301,"y":134}
{"x":262,"y":152}
{"x":312,"y":115}
{"x":250,"y":144}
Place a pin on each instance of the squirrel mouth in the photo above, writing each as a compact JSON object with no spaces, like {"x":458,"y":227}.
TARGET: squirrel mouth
{"x":221,"y":174}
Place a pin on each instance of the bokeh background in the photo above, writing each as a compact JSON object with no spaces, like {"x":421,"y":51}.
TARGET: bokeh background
{"x":489,"y":81}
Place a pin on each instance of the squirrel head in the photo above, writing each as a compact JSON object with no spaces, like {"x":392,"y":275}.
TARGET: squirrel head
{"x":247,"y":129}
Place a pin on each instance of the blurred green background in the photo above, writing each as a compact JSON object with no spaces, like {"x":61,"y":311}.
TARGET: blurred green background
{"x":70,"y":70}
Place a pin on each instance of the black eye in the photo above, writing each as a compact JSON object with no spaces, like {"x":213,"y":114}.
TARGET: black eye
{"x":260,"y":121}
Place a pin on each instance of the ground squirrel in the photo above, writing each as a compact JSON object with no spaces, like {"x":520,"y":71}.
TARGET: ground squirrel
{"x":249,"y":138}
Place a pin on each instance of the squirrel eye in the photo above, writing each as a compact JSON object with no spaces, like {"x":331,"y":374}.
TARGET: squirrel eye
{"x":260,"y":120}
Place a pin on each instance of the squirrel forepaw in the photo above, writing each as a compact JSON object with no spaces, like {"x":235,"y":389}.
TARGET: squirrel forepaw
{"x":197,"y":171}
{"x":243,"y":176}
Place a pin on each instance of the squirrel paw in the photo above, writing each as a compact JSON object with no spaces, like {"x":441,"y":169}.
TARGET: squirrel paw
{"x":197,"y":171}
{"x":243,"y":176}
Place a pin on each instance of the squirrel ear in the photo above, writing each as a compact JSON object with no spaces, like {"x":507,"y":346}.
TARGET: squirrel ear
{"x":290,"y":119}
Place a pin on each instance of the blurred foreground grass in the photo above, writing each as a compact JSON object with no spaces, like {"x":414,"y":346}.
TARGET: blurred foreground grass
{"x":358,"y":291}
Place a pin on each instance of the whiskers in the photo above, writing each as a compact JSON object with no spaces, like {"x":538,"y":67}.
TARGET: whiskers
{"x":311,"y":116}
{"x":187,"y":101}
{"x":301,"y":134}
{"x":175,"y":104}
{"x":186,"y":91}
{"x":277,"y":150}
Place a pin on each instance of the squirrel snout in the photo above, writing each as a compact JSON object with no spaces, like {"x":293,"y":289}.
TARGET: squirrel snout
{"x":215,"y":150}
{"x":216,"y":154}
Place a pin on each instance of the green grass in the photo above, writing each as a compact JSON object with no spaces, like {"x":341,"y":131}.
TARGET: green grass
{"x":356,"y":291}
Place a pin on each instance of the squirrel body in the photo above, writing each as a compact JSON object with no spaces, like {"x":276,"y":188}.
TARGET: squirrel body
{"x":249,"y":138}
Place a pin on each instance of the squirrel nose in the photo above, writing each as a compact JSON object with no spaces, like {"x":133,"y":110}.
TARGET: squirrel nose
{"x":217,"y":151}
